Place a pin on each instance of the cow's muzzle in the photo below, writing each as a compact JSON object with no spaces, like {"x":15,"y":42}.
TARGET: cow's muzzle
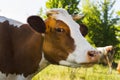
{"x":93,"y":56}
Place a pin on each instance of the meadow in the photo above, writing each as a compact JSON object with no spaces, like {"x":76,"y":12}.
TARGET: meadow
{"x":97,"y":72}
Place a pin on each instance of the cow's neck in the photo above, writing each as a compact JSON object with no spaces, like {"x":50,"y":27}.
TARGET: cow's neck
{"x":43,"y":62}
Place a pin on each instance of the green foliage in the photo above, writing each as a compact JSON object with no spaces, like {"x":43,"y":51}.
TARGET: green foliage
{"x":118,"y":12}
{"x":101,"y":23}
{"x":42,"y":14}
{"x":118,"y":46}
{"x":69,"y":5}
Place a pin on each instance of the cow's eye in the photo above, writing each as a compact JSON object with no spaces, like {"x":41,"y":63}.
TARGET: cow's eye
{"x":59,"y":29}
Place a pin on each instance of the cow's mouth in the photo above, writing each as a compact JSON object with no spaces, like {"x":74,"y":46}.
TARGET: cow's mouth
{"x":83,"y":65}
{"x":87,"y":64}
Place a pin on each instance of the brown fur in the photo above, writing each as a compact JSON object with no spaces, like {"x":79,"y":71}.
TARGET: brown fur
{"x":83,"y":29}
{"x":20,"y":50}
{"x":63,"y":43}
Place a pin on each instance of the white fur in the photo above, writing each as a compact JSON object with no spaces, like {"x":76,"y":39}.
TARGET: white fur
{"x":82,"y":46}
{"x":11,"y":22}
{"x":2,"y":76}
{"x":14,"y":77}
{"x":43,"y":63}
{"x":102,"y":50}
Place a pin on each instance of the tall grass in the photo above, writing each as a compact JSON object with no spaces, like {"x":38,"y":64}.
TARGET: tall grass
{"x":97,"y":72}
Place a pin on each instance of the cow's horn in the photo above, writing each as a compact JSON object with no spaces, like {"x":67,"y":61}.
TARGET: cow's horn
{"x":77,"y":17}
{"x":50,"y":13}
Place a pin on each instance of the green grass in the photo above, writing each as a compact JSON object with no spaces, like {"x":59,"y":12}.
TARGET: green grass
{"x":97,"y":72}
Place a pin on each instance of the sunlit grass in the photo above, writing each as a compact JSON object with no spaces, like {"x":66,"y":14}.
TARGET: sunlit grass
{"x":97,"y":72}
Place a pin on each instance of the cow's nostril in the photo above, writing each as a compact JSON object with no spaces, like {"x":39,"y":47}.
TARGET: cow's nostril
{"x":91,"y":53}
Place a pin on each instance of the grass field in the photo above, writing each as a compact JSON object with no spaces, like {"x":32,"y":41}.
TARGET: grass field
{"x":97,"y":72}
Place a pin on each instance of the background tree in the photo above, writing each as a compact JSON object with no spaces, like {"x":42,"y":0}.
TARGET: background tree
{"x":101,"y":23}
{"x":41,"y":13}
{"x":70,"y":5}
{"x":118,"y":12}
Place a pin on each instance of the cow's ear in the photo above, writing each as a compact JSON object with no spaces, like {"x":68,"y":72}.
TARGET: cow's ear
{"x":37,"y":23}
{"x":83,"y":29}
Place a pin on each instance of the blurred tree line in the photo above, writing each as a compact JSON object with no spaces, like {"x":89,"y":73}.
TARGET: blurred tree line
{"x":99,"y":17}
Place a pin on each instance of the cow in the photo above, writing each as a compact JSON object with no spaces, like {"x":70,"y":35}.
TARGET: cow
{"x":26,"y":49}
{"x":107,"y":56}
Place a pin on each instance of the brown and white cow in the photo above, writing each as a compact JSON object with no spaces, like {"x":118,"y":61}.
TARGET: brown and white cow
{"x":107,"y":56}
{"x":27,"y":48}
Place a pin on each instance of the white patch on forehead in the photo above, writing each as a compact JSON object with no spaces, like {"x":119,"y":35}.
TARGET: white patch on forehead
{"x":11,"y":22}
{"x":82,"y":46}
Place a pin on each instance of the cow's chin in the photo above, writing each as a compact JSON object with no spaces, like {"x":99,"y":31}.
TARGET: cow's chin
{"x":75,"y":65}
{"x":87,"y":64}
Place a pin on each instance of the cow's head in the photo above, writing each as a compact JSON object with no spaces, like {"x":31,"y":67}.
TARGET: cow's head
{"x":63,"y":41}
